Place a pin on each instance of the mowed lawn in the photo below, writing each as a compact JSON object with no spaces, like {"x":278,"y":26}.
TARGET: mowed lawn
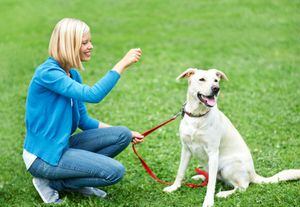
{"x":256,"y":43}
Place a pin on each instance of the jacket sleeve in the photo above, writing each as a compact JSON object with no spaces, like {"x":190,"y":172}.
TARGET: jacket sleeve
{"x":55,"y":79}
{"x":85,"y":121}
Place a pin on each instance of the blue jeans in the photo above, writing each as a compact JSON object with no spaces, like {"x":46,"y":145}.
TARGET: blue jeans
{"x":89,"y":160}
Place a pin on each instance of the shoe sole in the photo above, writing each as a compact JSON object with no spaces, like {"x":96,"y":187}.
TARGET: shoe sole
{"x":38,"y":190}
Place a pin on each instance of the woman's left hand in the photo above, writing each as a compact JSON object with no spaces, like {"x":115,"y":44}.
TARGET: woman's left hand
{"x":137,"y":137}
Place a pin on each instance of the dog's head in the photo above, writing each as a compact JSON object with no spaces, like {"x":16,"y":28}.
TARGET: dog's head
{"x":203,"y":84}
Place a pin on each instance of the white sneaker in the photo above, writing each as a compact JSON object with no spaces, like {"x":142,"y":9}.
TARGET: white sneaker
{"x":90,"y":191}
{"x":48,"y":194}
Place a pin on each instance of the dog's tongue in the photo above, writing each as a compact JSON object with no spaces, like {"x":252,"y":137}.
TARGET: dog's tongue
{"x":211,"y":101}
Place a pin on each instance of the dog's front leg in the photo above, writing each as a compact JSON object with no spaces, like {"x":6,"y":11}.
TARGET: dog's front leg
{"x":184,"y":161}
{"x":213,"y":157}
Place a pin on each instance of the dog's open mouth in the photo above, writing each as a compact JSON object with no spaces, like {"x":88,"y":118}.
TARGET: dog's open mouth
{"x":209,"y":101}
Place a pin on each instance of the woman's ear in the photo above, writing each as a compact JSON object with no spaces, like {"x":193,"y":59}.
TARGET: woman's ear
{"x":188,"y":73}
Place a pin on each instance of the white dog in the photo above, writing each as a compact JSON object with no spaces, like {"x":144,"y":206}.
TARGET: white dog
{"x":207,"y":134}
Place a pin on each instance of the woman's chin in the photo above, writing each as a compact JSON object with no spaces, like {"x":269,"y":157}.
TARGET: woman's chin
{"x":85,"y":59}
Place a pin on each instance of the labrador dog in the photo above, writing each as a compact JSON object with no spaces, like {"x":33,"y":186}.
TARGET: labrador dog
{"x":208,"y":134}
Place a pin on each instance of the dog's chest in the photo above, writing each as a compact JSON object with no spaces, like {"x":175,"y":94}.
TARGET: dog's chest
{"x":196,"y":136}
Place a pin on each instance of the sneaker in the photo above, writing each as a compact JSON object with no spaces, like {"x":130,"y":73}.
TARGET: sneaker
{"x":48,"y":194}
{"x":90,"y":191}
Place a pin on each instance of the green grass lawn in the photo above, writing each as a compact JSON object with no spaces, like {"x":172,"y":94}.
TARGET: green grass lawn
{"x":256,"y":43}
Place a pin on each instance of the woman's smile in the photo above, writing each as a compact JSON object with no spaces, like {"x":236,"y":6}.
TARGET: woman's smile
{"x":86,"y":47}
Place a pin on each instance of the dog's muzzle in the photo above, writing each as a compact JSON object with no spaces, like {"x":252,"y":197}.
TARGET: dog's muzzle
{"x":209,"y":101}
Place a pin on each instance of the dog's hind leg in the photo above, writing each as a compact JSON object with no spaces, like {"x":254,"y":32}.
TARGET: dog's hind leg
{"x":240,"y":186}
{"x":198,"y":177}
{"x":239,"y":179}
{"x":224,"y":194}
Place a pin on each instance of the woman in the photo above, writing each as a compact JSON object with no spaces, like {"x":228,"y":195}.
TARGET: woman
{"x":58,"y":160}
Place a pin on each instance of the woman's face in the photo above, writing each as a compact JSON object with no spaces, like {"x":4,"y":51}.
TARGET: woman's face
{"x":86,"y":47}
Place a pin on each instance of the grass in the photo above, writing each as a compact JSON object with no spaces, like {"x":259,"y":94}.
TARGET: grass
{"x":256,"y":43}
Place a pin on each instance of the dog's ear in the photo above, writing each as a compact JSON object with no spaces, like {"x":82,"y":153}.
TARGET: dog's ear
{"x":220,"y":74}
{"x":188,"y":73}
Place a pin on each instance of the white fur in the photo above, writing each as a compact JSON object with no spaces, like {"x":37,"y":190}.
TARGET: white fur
{"x":216,"y":143}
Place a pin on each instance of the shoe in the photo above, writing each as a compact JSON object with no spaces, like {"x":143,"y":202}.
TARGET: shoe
{"x":48,"y":194}
{"x":90,"y":191}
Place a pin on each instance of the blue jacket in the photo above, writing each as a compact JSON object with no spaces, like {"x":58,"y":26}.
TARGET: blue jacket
{"x":55,"y":108}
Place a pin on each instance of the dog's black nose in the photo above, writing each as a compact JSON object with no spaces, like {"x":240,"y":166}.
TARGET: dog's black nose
{"x":215,"y":89}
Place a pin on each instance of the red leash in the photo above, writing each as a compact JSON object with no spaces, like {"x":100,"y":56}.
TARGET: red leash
{"x":152,"y":174}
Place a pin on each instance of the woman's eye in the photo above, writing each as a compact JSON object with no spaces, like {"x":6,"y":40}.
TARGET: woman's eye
{"x":201,"y":79}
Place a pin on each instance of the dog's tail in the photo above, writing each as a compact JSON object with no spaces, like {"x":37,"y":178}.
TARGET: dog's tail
{"x":293,"y":174}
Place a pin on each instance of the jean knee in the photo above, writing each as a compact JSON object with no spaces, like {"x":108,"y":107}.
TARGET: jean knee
{"x":117,"y":174}
{"x":125,"y":135}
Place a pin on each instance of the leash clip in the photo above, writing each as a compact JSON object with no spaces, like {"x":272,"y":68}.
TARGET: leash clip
{"x":177,"y":114}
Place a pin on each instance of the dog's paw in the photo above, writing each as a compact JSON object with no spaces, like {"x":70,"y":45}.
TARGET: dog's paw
{"x":198,"y":177}
{"x":222,"y":194}
{"x":170,"y":188}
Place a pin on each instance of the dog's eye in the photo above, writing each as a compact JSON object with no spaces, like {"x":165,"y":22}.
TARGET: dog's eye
{"x":216,"y":80}
{"x":201,"y":79}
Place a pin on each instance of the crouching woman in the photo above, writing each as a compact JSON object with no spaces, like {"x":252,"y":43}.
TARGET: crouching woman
{"x":57,"y":159}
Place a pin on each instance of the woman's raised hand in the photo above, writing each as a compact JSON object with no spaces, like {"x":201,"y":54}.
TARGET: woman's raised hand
{"x":131,"y":57}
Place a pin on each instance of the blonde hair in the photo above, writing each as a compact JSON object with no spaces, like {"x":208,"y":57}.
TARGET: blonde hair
{"x":65,"y":42}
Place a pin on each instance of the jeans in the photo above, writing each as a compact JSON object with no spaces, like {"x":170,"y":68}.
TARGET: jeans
{"x":89,"y":160}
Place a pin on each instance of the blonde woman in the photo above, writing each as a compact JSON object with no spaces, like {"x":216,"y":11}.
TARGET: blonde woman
{"x":58,"y":159}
